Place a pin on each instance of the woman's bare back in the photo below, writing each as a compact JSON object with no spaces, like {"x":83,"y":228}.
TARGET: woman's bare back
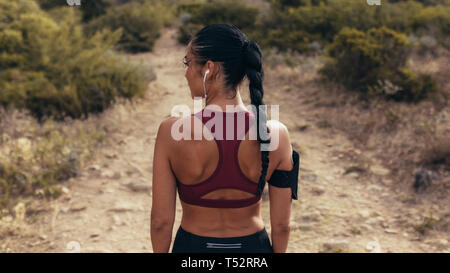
{"x":193,"y":161}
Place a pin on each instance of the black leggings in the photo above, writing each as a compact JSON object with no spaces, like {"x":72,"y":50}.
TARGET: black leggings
{"x":186,"y":242}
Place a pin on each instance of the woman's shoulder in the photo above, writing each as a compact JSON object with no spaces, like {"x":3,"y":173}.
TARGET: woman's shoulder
{"x":176,"y":128}
{"x":280,"y":145}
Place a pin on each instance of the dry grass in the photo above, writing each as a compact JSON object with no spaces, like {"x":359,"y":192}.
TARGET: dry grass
{"x":35,"y":157}
{"x":406,"y":137}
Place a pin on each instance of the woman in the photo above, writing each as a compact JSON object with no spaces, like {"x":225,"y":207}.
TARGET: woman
{"x":220,"y":182}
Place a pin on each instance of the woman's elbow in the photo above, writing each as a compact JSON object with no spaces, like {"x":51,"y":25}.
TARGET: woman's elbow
{"x":281,"y":227}
{"x":160,"y":223}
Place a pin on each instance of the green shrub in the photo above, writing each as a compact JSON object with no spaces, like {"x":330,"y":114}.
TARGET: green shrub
{"x":437,"y":17}
{"x":425,"y":2}
{"x":51,"y":69}
{"x":413,"y":87}
{"x":232,"y":12}
{"x":294,"y":25}
{"x":187,"y":7}
{"x":140,"y":23}
{"x":286,"y":4}
{"x":92,"y":9}
{"x":359,"y":59}
{"x":373,"y":63}
{"x":50,"y":4}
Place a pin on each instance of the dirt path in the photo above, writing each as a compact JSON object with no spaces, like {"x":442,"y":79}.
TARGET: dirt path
{"x":107,"y":208}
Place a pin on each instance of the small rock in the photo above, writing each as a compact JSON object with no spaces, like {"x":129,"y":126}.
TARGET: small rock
{"x":305,"y":227}
{"x":43,"y":237}
{"x":116,"y":175}
{"x":110,"y":174}
{"x":65,"y":190}
{"x":364,"y":213}
{"x":123,"y":206}
{"x":117,"y":220}
{"x":94,"y":167}
{"x":366,"y":228}
{"x":379,"y":170}
{"x":138,"y":187}
{"x":443,"y":242}
{"x":335,"y":246}
{"x":93,"y":235}
{"x":109,"y":190}
{"x":373,"y":246}
{"x":317,"y":190}
{"x":387,"y":182}
{"x":391,"y":231}
{"x":110,"y":154}
{"x":374,"y":188}
{"x":309,"y":177}
{"x":78,"y":207}
{"x":374,"y":220}
{"x":313,"y":216}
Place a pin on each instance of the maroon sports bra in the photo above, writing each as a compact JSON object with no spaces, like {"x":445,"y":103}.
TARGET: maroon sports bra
{"x":228,"y":174}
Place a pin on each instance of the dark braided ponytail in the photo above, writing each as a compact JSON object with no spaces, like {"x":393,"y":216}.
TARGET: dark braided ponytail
{"x":239,"y":57}
{"x":255,"y":75}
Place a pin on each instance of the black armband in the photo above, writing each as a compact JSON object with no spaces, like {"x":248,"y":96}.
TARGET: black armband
{"x":286,"y":179}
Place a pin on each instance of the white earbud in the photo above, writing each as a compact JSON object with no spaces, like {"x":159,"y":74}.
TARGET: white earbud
{"x":204,"y":79}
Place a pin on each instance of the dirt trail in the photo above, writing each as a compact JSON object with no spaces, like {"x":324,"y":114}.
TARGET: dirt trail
{"x":107,"y":208}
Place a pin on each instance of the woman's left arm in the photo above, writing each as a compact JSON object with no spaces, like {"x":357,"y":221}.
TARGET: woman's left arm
{"x":163,"y":191}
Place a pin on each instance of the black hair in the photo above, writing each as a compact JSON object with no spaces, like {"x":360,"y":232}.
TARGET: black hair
{"x":239,"y":57}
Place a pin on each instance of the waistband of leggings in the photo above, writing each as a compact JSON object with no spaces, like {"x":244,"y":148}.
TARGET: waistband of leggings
{"x":240,"y":238}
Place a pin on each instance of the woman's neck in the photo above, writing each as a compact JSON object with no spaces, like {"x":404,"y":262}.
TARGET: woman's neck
{"x":223,"y":101}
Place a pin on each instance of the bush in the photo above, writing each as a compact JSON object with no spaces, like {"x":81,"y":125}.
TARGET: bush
{"x":373,"y":63}
{"x":296,"y":24}
{"x":187,"y":7}
{"x":413,"y":87}
{"x":51,"y":69}
{"x":297,"y":27}
{"x":286,"y":4}
{"x":140,"y":23}
{"x":232,"y":12}
{"x":437,"y":17}
{"x":425,"y":2}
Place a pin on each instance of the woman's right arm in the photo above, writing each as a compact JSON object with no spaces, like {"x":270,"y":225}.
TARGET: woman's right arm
{"x":281,"y":198}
